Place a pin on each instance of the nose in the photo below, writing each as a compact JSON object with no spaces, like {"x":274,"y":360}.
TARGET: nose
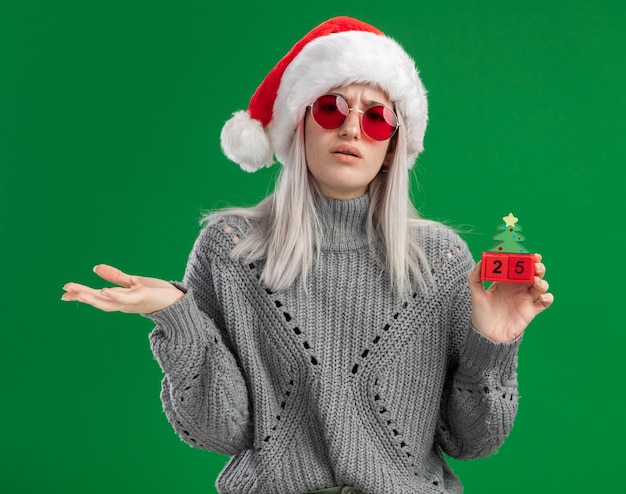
{"x":351,"y":126}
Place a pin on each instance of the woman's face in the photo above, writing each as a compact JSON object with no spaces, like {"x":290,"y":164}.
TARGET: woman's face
{"x":344,"y":161}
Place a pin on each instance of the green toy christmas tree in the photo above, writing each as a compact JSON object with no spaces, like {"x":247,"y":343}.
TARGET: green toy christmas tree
{"x":509,"y":237}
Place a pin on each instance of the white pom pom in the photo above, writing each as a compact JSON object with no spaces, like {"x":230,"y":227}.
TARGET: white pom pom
{"x":245,"y":142}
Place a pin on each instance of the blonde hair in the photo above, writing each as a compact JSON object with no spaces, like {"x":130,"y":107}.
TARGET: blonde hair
{"x":286,"y":228}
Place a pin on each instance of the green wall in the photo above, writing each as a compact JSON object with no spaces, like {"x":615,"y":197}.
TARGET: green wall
{"x":110,"y":113}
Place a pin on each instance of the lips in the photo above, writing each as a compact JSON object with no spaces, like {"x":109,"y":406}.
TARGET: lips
{"x":347,"y":150}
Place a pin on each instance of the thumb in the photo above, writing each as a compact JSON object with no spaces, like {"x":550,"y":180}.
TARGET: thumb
{"x":474,"y":282}
{"x":113,"y":275}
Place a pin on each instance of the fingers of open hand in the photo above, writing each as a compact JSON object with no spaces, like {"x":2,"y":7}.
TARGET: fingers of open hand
{"x":91,"y":296}
{"x":136,"y":300}
{"x":107,"y":299}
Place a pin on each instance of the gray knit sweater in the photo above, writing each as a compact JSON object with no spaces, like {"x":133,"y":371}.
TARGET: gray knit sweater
{"x":341,"y":382}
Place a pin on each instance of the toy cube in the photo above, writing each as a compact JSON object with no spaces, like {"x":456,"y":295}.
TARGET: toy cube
{"x":508,"y":268}
{"x":495,"y":267}
{"x":522,"y":268}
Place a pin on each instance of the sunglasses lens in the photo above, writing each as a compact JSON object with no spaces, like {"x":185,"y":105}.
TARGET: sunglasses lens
{"x":379,"y":122}
{"x":330,"y":111}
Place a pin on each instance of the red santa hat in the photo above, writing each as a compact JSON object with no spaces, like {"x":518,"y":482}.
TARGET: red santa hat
{"x":338,"y":52}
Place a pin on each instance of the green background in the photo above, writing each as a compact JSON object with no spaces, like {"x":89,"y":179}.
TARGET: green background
{"x":110,"y":113}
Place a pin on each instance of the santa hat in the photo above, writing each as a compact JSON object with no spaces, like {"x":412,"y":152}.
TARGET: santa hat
{"x":338,"y":52}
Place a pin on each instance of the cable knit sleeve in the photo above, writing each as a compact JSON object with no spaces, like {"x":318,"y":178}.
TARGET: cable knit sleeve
{"x":480,"y":397}
{"x":204,"y":393}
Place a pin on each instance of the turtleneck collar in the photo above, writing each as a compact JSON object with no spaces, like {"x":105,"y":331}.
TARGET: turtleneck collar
{"x":343,"y":222}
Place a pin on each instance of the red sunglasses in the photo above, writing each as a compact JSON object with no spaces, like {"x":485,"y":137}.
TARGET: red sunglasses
{"x":378,"y":122}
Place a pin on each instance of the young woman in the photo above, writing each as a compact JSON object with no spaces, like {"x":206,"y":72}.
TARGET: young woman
{"x":328,"y":339}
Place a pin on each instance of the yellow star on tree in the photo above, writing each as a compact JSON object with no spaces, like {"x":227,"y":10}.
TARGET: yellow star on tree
{"x":509,"y":220}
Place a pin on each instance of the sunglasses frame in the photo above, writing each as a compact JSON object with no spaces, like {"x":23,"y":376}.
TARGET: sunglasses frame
{"x":362,"y":112}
